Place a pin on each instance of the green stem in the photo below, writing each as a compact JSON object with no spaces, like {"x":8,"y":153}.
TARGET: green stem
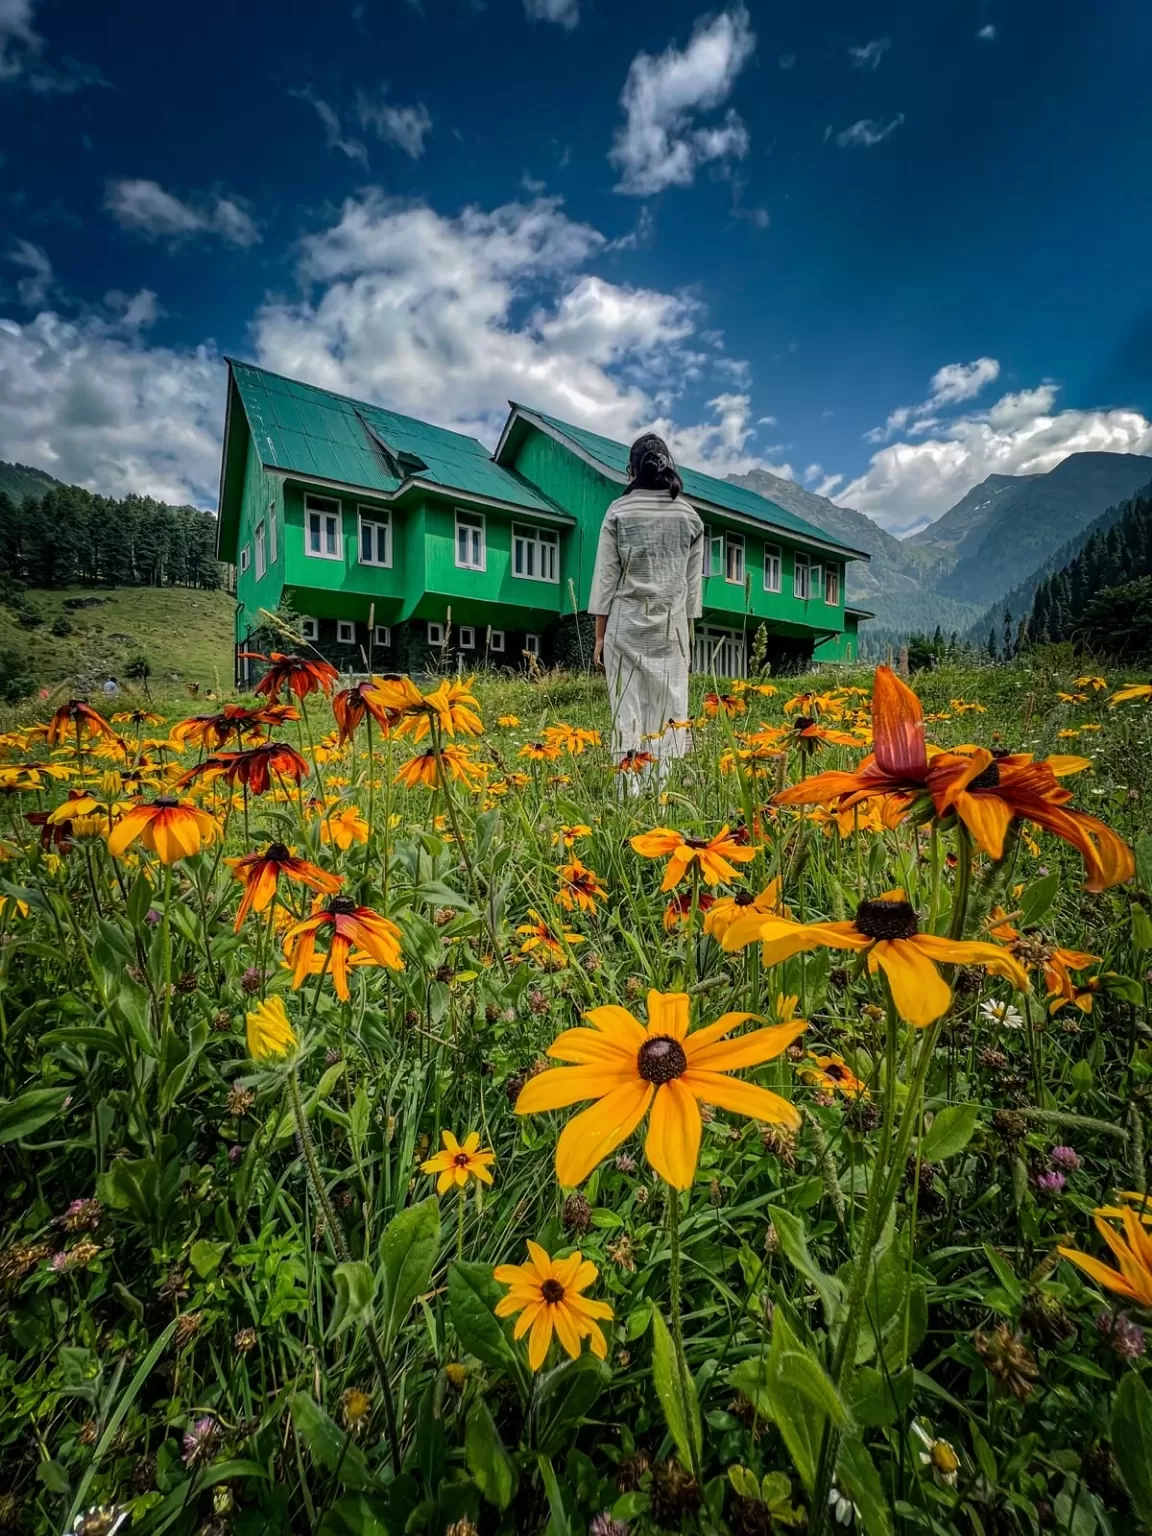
{"x":677,"y":1325}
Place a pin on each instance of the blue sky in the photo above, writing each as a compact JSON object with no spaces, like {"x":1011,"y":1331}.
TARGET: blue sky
{"x":885,"y":249}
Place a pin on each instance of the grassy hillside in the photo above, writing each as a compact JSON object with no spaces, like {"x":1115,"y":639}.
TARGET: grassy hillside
{"x":185,"y":634}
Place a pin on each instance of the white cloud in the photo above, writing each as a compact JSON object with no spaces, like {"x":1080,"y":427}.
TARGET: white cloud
{"x":987,"y":34}
{"x":33,"y":288}
{"x":723,"y":446}
{"x":909,"y":484}
{"x":22,"y":56}
{"x":814,"y":472}
{"x":950,"y":385}
{"x":89,"y":403}
{"x":869,"y":56}
{"x":566,"y":13}
{"x":334,"y":134}
{"x":147,"y":209}
{"x":137,"y":310}
{"x":660,"y":144}
{"x":867,"y":132}
{"x":19,"y":41}
{"x":406,"y":127}
{"x":828,"y":485}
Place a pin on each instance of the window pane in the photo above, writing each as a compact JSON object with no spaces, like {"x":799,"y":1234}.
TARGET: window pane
{"x":314,"y":531}
{"x":366,"y":541}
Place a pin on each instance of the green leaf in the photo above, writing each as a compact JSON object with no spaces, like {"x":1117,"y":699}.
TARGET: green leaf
{"x":20,"y":1117}
{"x":1141,"y":930}
{"x":357,"y":1515}
{"x":744,"y":1482}
{"x":139,"y":899}
{"x":355,"y":1290}
{"x":562,"y":1398}
{"x":950,"y":1132}
{"x":808,"y":1376}
{"x":488,"y":1461}
{"x":1132,"y":1442}
{"x":1005,"y":1274}
{"x":407,"y":1252}
{"x":878,"y":1399}
{"x":437,"y":894}
{"x":794,"y":1242}
{"x":472,"y":1296}
{"x":205,"y":1257}
{"x":1036,"y":901}
{"x":857,"y":1475}
{"x":329,"y":1445}
{"x":1143,"y":850}
{"x":767,"y":1383}
{"x":677,"y":1394}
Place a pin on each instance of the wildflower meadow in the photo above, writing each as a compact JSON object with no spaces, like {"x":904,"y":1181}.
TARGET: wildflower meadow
{"x":416,"y":1119}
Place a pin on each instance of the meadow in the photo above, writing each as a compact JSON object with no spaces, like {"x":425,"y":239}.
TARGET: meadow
{"x":415,"y":1120}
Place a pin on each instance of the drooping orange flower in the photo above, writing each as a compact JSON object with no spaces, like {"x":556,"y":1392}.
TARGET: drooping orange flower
{"x":713,"y":859}
{"x":546,"y":942}
{"x":376,"y":697}
{"x":423,"y":769}
{"x":239,"y":720}
{"x":77,"y":717}
{"x":547,"y":1294}
{"x":347,"y":925}
{"x":172,"y":829}
{"x":1133,"y":1253}
{"x":888,"y":929}
{"x":259,"y":873}
{"x":730,"y":704}
{"x":252,"y":767}
{"x":579,"y":887}
{"x":1035,"y":953}
{"x":301,"y":675}
{"x":629,"y":1067}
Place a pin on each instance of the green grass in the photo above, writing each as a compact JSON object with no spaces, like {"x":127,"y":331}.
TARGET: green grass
{"x":185,"y":634}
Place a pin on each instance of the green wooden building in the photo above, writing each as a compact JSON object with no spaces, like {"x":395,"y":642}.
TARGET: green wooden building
{"x":843,"y":649}
{"x":399,"y":543}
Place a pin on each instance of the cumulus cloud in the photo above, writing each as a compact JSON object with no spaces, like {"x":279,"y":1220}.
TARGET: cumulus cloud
{"x":867,"y":132}
{"x":909,"y":484}
{"x":334,"y":134}
{"x":869,"y":56}
{"x":91,"y":404}
{"x":19,"y":41}
{"x":950,"y":385}
{"x":33,"y":288}
{"x":406,"y":127}
{"x":147,"y":209}
{"x":660,"y":143}
{"x":566,"y":13}
{"x":987,"y":34}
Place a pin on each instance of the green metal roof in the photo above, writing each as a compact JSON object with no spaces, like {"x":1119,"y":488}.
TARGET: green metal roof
{"x":318,"y":434}
{"x":697,"y":486}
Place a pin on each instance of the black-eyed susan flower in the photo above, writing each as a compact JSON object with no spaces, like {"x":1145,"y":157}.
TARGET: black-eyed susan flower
{"x":726,"y":909}
{"x":344,"y":827}
{"x":570,"y":834}
{"x":75,"y":719}
{"x":539,"y":751}
{"x":545,"y":942}
{"x":571,"y":738}
{"x":730,"y":704}
{"x":832,"y":1074}
{"x":425,"y":770}
{"x":1092,"y":680}
{"x":715,"y":859}
{"x":1034,"y":953}
{"x":634,"y":762}
{"x":234,"y":720}
{"x":301,"y":675}
{"x":253,"y":768}
{"x":172,"y":829}
{"x":1131,"y":691}
{"x":452,"y":705}
{"x":259,"y":873}
{"x":678,"y":912}
{"x":347,"y":926}
{"x":579,"y":887}
{"x":459,"y":1162}
{"x":888,"y":930}
{"x":546,"y":1292}
{"x":1132,"y":1252}
{"x":629,"y":1068}
{"x":269,"y":1030}
{"x":509,"y":722}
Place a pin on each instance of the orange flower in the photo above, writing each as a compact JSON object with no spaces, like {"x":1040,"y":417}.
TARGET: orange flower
{"x":714,"y":859}
{"x":808,"y":735}
{"x":344,"y":827}
{"x":453,"y":706}
{"x":348,"y":925}
{"x":579,"y":887}
{"x":173,"y":829}
{"x":253,"y":767}
{"x":730,"y":703}
{"x":459,"y":1162}
{"x":833,"y":1075}
{"x":634,"y":762}
{"x":539,"y":751}
{"x":1034,"y":953}
{"x":423,"y":769}
{"x":76,"y":718}
{"x":1133,"y":1253}
{"x":725,"y":912}
{"x":214,"y":731}
{"x":549,"y":943}
{"x":629,"y":1067}
{"x":568,"y":834}
{"x":299,"y":674}
{"x":546,"y":1293}
{"x":814,"y":704}
{"x":1131,"y":691}
{"x":886,"y":928}
{"x":571,"y":738}
{"x":678,"y":912}
{"x":259,"y":873}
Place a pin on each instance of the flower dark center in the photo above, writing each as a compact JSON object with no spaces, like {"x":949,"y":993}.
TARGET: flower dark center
{"x":802,"y":722}
{"x":166,"y":801}
{"x":887,"y":920}
{"x":661,"y":1059}
{"x":552,"y":1291}
{"x":744,"y":899}
{"x":278,"y":852}
{"x":341,"y":906}
{"x":695,"y":842}
{"x":461,"y":1159}
{"x":989,"y":779}
{"x":835,"y":1072}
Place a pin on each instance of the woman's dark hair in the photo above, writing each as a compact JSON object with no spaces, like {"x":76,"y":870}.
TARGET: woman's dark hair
{"x":652,"y":466}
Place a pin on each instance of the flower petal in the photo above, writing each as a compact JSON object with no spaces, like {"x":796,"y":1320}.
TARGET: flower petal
{"x":971,"y":952}
{"x":622,"y":1027}
{"x":673,"y":1144}
{"x":540,"y":1338}
{"x":897,"y":726}
{"x":567,"y":1331}
{"x":1110,"y":1279}
{"x":747,"y":1051}
{"x":594,"y":1047}
{"x":920,"y":993}
{"x":668,"y":1014}
{"x":561,"y":1086}
{"x":742,"y":1098}
{"x":595,"y":1132}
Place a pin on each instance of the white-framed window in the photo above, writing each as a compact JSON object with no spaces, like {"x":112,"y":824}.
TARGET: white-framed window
{"x":310,"y":629}
{"x":345,"y":632}
{"x":734,"y":559}
{"x":382,"y":635}
{"x":832,"y":584}
{"x":800,"y":573}
{"x":261,"y":549}
{"x":323,"y":532}
{"x":375,"y":536}
{"x":471,"y":554}
{"x":273,"y":534}
{"x":245,"y":558}
{"x":714,"y":564}
{"x":495,"y":639}
{"x":435,"y":633}
{"x":773,"y":565}
{"x":532,"y":645}
{"x":535,"y":553}
{"x":816,"y":582}
{"x":467,"y":635}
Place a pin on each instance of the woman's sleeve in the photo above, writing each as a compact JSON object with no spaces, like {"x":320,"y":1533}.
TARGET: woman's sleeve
{"x":696,"y":573}
{"x":606,"y":573}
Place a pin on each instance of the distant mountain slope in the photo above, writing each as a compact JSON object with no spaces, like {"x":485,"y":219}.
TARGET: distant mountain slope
{"x":1028,"y":524}
{"x":975,"y":511}
{"x":20,"y":480}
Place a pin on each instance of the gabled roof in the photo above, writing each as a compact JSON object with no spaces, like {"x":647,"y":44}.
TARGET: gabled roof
{"x":319,"y":435}
{"x":611,"y":458}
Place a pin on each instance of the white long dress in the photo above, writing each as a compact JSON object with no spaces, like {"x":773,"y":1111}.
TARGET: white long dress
{"x":648,"y":581}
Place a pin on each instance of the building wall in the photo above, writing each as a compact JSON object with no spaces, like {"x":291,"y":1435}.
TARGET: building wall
{"x":843,"y":648}
{"x":261,"y":500}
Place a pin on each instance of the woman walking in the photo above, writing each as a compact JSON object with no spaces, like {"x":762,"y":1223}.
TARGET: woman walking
{"x":646,"y":590}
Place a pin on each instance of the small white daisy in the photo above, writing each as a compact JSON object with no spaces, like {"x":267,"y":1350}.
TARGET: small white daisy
{"x":938,"y":1455}
{"x":1003,"y":1014}
{"x":842,"y":1507}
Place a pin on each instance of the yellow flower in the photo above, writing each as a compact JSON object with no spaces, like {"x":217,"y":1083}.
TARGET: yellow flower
{"x":832,"y":1075}
{"x":1090,"y":681}
{"x":171,"y":828}
{"x":568,"y":835}
{"x":344,"y":827}
{"x":579,"y":887}
{"x":424,"y":770}
{"x":727,"y":909}
{"x":540,"y":937}
{"x":457,"y":1163}
{"x":269,"y":1031}
{"x":547,"y":1294}
{"x":1133,"y":1253}
{"x":629,"y":1067}
{"x":1132,"y":691}
{"x":572,"y":738}
{"x":509,"y":722}
{"x":539,"y":751}
{"x":713,"y":859}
